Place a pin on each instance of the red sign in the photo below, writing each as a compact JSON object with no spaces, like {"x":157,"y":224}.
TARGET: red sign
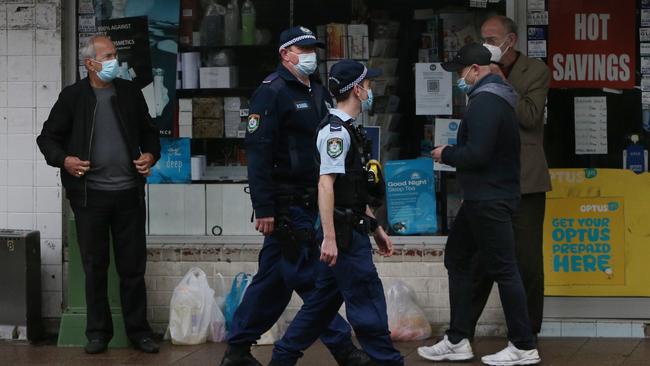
{"x":592,"y":43}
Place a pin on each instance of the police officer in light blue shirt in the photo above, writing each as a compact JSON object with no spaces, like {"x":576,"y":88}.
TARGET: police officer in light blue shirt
{"x":346,"y":187}
{"x":284,"y":114}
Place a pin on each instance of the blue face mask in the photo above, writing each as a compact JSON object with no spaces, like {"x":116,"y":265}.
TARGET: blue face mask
{"x":307,"y":64}
{"x":109,"y":70}
{"x":366,"y":105}
{"x":462,"y":84}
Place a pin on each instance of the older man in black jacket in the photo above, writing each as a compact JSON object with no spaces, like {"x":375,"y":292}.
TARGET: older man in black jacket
{"x":99,"y":133}
{"x":487,"y":162}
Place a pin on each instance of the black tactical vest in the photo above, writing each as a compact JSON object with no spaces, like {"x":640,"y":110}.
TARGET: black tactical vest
{"x":350,"y":189}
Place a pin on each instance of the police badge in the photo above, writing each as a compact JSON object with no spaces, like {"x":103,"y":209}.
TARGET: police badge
{"x":334,"y":147}
{"x":253,"y":123}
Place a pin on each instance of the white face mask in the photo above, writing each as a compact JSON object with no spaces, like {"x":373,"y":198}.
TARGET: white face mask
{"x":496,"y":52}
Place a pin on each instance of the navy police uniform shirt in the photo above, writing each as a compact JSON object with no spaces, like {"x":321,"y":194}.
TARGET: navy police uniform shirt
{"x":333,"y":144}
{"x":284,"y":116}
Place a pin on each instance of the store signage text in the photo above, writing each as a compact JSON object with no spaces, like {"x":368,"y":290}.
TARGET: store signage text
{"x":587,"y":45}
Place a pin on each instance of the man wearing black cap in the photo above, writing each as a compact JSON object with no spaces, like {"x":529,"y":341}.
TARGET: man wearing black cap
{"x":284,"y":114}
{"x":487,"y":163}
{"x":347,"y":273}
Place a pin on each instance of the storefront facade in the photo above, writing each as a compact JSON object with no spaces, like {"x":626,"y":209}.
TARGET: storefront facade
{"x":206,"y":222}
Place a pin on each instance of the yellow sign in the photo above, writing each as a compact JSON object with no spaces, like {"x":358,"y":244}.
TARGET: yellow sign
{"x":609,"y":255}
{"x":586,"y":241}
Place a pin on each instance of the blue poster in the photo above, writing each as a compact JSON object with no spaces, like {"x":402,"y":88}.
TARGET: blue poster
{"x":174,"y":165}
{"x":410,"y":196}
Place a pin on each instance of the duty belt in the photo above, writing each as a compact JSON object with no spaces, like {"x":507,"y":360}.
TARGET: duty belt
{"x":306,"y":199}
{"x":359,"y":221}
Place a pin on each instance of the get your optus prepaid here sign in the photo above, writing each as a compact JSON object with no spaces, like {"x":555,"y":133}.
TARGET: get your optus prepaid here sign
{"x":584,"y":242}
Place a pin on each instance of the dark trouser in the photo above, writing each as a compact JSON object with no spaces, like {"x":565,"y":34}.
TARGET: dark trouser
{"x":528,"y":226}
{"x":122,"y":213}
{"x":270,"y":291}
{"x":353,"y":279}
{"x":484,"y":228}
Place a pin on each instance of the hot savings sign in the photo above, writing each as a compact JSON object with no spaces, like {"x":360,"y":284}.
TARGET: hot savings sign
{"x":592,"y":43}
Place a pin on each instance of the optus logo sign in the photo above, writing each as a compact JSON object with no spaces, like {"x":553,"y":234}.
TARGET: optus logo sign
{"x":610,"y":207}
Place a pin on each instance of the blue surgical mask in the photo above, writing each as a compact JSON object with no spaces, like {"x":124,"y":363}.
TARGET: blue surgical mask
{"x":109,"y":71}
{"x":462,"y":84}
{"x":366,"y":105}
{"x":307,"y":64}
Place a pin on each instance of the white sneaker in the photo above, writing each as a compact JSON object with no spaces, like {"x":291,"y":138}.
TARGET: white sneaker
{"x":512,"y":355}
{"x":447,"y":351}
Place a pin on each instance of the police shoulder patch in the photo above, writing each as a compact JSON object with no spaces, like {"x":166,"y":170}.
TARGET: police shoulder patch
{"x":253,"y":123}
{"x":335,"y":127}
{"x":334,"y":147}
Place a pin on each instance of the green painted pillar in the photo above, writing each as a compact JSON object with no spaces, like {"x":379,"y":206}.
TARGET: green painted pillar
{"x":73,"y":320}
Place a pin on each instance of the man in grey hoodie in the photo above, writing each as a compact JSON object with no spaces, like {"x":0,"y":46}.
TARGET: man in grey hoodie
{"x":487,"y":162}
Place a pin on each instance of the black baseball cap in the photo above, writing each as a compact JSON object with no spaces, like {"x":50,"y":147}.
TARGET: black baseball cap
{"x":469,"y":54}
{"x":348,"y":73}
{"x":299,"y":36}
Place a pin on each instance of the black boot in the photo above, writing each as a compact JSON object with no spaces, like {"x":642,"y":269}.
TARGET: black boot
{"x":353,"y":357}
{"x":239,"y":356}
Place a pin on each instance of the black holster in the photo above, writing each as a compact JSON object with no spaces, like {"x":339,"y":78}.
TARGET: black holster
{"x":291,"y":241}
{"x":346,"y":220}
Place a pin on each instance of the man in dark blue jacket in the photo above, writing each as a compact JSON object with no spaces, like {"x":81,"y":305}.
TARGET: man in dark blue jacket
{"x":284,"y":115}
{"x":487,"y":163}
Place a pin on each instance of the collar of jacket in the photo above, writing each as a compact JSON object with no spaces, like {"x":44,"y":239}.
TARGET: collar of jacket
{"x":520,"y":66}
{"x":288,"y":76}
{"x":490,"y":78}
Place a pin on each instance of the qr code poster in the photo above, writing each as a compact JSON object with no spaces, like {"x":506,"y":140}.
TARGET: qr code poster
{"x":432,"y":90}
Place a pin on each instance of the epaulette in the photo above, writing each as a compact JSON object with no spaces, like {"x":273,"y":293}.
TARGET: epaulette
{"x":269,"y":79}
{"x":336,"y":126}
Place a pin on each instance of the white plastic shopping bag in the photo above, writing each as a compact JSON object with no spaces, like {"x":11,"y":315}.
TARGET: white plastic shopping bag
{"x":276,"y":332}
{"x":192,"y":309}
{"x":406,"y":321}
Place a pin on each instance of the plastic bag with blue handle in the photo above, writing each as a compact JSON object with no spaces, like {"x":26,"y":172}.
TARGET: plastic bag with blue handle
{"x":234,"y":297}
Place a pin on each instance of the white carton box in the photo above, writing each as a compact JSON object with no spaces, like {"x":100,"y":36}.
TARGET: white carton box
{"x":218,"y":77}
{"x":185,"y":104}
{"x":184,"y":118}
{"x":232,"y":121}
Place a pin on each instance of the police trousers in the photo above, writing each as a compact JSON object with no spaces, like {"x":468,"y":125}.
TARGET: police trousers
{"x":353,"y":280}
{"x":272,"y":286}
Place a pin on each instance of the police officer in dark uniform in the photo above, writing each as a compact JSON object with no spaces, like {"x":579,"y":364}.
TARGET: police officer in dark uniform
{"x":284,"y":114}
{"x":349,"y":181}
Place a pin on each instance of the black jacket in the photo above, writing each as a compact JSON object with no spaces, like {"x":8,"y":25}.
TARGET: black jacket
{"x":69,"y":127}
{"x":487,"y":154}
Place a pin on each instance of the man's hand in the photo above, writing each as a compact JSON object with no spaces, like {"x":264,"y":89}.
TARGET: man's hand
{"x":436,"y":153}
{"x":265,"y":225}
{"x":328,"y":251}
{"x":384,"y":243}
{"x":496,"y":70}
{"x":143,"y":164}
{"x":75,"y":166}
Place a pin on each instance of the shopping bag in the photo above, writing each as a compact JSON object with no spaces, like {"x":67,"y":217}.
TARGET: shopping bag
{"x":217,"y":330}
{"x":234,"y":297}
{"x":406,"y":320}
{"x":276,"y":332}
{"x":191,"y":309}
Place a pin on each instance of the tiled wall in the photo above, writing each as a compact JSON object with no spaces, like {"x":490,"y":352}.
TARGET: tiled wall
{"x":30,"y":80}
